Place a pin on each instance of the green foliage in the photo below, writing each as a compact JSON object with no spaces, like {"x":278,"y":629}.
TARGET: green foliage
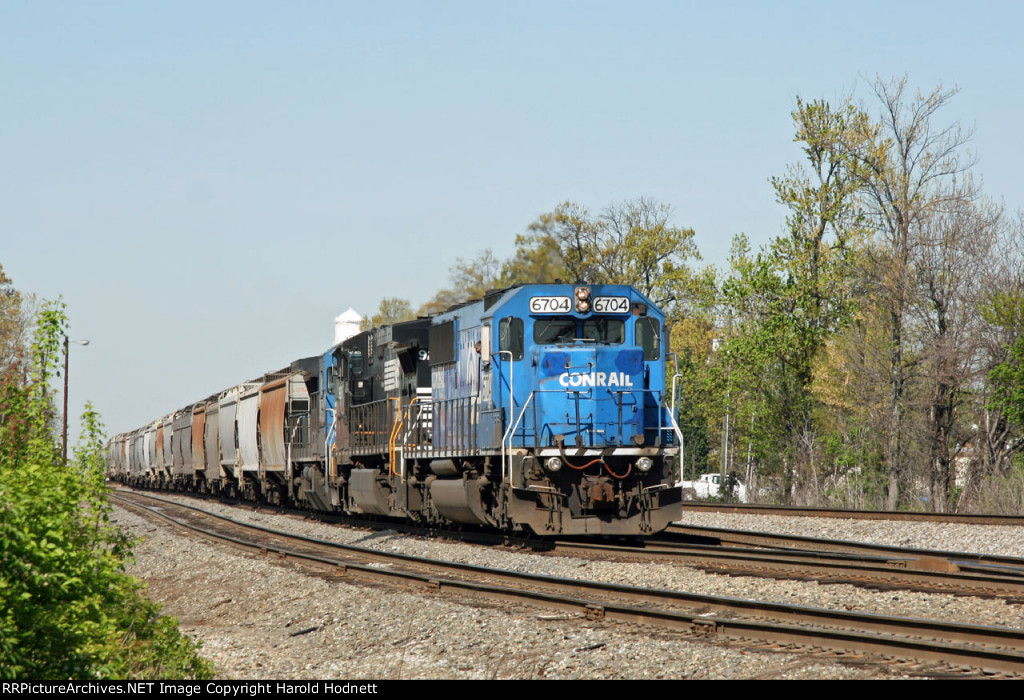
{"x":629,"y":243}
{"x":789,"y":299}
{"x":470,"y":279}
{"x":67,"y":608}
{"x":1007,"y":380}
{"x":391,"y":310}
{"x":537,"y":259}
{"x":1005,"y":309}
{"x":693,"y":411}
{"x":13,"y":322}
{"x":857,"y":478}
{"x":574,"y":233}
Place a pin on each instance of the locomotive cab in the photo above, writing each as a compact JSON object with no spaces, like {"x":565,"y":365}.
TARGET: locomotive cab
{"x":588,"y":442}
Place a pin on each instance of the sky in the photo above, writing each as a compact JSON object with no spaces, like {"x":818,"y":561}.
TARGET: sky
{"x":206,"y":185}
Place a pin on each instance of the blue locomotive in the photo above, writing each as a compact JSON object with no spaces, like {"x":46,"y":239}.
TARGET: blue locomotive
{"x":539,"y":408}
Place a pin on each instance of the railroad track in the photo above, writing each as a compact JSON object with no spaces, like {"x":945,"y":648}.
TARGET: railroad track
{"x":744,"y":553}
{"x":925,"y":558}
{"x":795,"y":511}
{"x":892,"y":571}
{"x":945,"y":647}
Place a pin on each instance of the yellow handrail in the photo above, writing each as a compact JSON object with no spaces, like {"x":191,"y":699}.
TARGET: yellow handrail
{"x":395,"y":430}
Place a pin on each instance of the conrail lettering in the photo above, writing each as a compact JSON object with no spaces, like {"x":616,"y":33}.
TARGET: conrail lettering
{"x":595,"y":379}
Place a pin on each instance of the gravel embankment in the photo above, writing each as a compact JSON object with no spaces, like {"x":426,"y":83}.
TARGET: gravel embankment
{"x":260,"y":619}
{"x":952,"y":537}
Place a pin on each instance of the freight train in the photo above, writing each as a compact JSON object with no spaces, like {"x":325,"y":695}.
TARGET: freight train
{"x":539,"y":409}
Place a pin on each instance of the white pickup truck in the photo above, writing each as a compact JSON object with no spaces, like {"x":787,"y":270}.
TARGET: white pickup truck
{"x":710,"y":486}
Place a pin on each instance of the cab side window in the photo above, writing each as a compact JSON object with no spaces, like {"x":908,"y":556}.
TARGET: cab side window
{"x":510,"y":337}
{"x":648,"y":337}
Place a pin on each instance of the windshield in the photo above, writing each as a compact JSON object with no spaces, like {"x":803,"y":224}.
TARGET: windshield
{"x":553,"y":331}
{"x":604,"y":330}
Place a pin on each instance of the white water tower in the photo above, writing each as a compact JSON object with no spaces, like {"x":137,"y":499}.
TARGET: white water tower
{"x":346,"y":325}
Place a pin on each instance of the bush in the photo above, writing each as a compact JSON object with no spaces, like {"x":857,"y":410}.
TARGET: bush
{"x":67,"y":607}
{"x":1000,"y":495}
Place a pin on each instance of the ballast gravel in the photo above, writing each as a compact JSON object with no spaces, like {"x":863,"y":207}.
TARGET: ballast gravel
{"x":262,"y":619}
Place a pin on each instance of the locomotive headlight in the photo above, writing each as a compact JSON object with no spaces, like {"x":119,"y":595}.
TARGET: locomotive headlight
{"x":644,"y":464}
{"x":582,"y":299}
{"x":553,"y":464}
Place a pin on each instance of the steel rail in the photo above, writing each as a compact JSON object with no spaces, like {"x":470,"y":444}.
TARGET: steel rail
{"x":747,"y":538}
{"x":991,"y":649}
{"x":824,"y":560}
{"x":903,"y":573}
{"x":797,"y":511}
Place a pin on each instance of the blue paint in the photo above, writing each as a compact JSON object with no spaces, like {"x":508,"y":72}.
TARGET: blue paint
{"x":594,"y":393}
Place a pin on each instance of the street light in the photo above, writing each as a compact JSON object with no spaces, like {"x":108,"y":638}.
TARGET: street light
{"x":64,"y":432}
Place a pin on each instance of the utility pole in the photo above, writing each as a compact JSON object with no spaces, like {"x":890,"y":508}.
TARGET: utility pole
{"x":64,"y":430}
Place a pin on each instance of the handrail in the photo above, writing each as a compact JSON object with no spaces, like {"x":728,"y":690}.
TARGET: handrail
{"x":675,"y":376}
{"x":395,"y":430}
{"x":507,"y":474}
{"x":675,"y":425}
{"x":328,"y":454}
{"x":679,"y":434}
{"x":391,"y":439}
{"x":511,"y":382}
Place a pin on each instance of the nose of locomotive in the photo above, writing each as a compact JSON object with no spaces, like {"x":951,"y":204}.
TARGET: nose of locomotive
{"x":591,"y":395}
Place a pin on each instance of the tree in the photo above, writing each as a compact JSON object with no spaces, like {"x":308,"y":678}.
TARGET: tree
{"x":792,"y":297}
{"x":1008,"y":393}
{"x":537,"y":259}
{"x":852,"y":415}
{"x":633,"y":242}
{"x":576,"y":236}
{"x":909,"y":174}
{"x":956,"y":243}
{"x":15,"y":323}
{"x":391,"y":310}
{"x":629,"y":243}
{"x":1001,"y":414}
{"x":641,"y":247}
{"x":469,"y":279}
